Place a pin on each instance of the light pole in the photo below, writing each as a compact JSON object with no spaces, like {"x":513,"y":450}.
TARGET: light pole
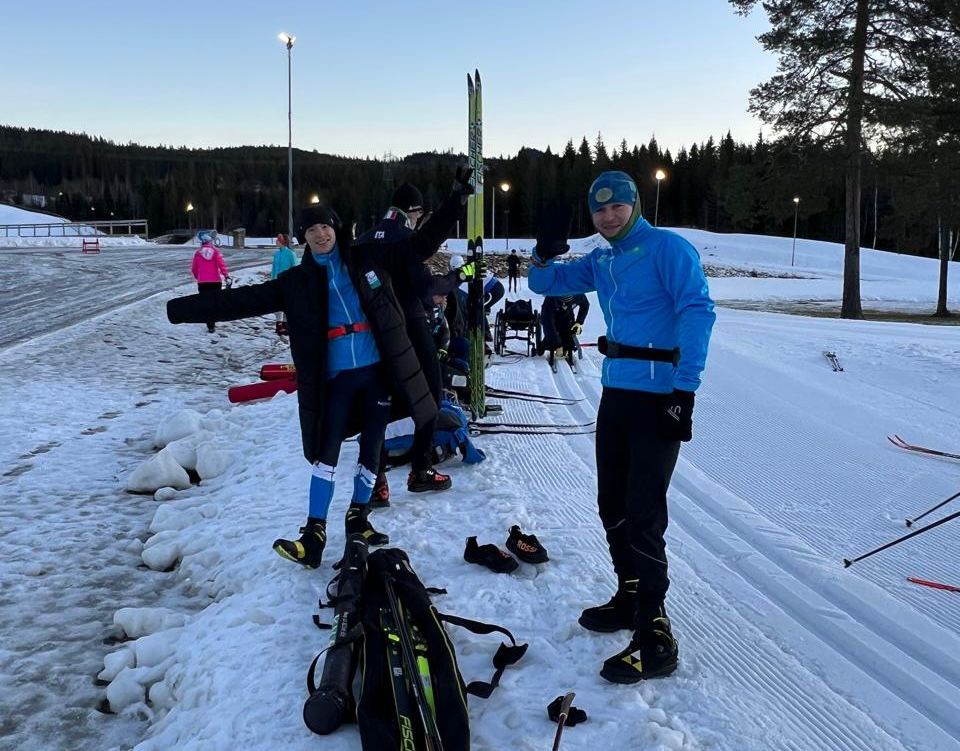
{"x":796,"y":210}
{"x":288,"y":40}
{"x":505,"y":187}
{"x":188,"y":209}
{"x":656,"y":211}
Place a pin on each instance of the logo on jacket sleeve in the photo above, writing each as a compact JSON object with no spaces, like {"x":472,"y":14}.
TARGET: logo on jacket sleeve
{"x":372,"y":279}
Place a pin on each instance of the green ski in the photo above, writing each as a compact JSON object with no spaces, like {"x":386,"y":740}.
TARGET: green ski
{"x":476,"y":317}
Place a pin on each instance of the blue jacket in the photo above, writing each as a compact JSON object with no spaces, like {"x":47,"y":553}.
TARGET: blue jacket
{"x":653,"y":293}
{"x":283,"y":259}
{"x":352,"y":350}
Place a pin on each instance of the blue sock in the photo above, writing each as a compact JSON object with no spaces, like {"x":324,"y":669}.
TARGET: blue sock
{"x":321,"y":489}
{"x":363,"y":482}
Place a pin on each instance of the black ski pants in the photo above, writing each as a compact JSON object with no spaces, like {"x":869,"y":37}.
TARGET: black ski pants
{"x":421,"y":338}
{"x":512,"y":282}
{"x":205,"y":288}
{"x":634,"y":467}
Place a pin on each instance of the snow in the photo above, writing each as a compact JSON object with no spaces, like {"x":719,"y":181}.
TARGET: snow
{"x":53,"y":237}
{"x":202,"y":635}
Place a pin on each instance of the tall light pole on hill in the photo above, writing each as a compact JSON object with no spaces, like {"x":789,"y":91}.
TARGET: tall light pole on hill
{"x":656,"y":212}
{"x":288,"y":40}
{"x":796,"y":211}
{"x":505,"y":187}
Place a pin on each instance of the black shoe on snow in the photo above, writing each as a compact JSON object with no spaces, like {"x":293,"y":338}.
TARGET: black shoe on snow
{"x":211,"y":328}
{"x":428,"y":479}
{"x":620,"y":612}
{"x":308,"y":550}
{"x":490,"y":556}
{"x":652,"y":653}
{"x":357,"y":524}
{"x":380,"y":498}
{"x":526,"y":547}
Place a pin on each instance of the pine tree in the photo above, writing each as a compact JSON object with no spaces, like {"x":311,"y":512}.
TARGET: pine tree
{"x":841,"y":63}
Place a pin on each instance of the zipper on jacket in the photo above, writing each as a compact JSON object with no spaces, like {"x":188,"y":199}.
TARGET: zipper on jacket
{"x":652,"y":372}
{"x":346,"y":314}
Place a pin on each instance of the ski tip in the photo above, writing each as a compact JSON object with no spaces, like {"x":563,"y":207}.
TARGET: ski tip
{"x":847,"y":563}
{"x":909,"y":523}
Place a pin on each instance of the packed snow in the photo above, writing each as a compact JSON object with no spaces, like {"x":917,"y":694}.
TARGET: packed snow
{"x":53,"y":236}
{"x":139,"y":610}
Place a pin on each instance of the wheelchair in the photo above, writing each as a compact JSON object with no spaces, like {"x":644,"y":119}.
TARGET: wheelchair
{"x":518,"y":320}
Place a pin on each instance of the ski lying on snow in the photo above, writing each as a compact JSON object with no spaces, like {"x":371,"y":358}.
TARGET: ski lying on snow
{"x":834,"y":361}
{"x":526,"y":395}
{"x":933,"y":585}
{"x":902,"y":444}
{"x":548,"y":430}
{"x":532,"y":424}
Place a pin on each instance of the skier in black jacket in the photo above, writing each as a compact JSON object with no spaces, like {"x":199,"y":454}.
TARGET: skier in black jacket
{"x":349,"y":345}
{"x":560,"y":327}
{"x":412,"y":287}
{"x":513,"y":271}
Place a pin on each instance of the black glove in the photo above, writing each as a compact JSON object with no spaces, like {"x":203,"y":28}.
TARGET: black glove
{"x":675,"y":419}
{"x":553,"y":230}
{"x":461,"y":184}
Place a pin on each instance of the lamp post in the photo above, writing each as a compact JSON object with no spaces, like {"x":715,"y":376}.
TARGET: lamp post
{"x":288,"y":40}
{"x":656,"y":211}
{"x":189,"y":209}
{"x":796,"y":211}
{"x":505,"y":187}
{"x":315,"y":198}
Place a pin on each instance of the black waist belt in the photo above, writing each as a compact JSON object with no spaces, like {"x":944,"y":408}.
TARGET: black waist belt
{"x":627,"y":351}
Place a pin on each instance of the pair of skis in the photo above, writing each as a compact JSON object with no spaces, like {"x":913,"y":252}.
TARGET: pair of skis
{"x":834,"y":361}
{"x":902,"y":444}
{"x":475,"y":313}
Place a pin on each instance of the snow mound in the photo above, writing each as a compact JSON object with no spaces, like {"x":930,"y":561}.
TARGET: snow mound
{"x":159,"y":471}
{"x":179,"y":425}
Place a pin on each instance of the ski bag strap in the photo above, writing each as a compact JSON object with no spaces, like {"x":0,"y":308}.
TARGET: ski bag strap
{"x":505,"y":656}
{"x":615,"y":351}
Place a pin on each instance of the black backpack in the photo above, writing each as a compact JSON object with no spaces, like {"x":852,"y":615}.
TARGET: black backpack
{"x":412,"y":695}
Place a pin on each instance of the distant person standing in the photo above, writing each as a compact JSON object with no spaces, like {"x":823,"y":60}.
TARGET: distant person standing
{"x":209,"y":268}
{"x":283,"y":259}
{"x":513,"y":271}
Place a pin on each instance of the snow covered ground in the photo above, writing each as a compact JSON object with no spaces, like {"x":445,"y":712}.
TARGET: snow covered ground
{"x":53,"y":236}
{"x":206,"y":633}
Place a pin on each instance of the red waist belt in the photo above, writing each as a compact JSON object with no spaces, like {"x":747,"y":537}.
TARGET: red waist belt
{"x":350,"y":328}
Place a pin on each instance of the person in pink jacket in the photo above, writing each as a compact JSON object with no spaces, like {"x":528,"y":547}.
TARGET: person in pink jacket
{"x":208,"y":269}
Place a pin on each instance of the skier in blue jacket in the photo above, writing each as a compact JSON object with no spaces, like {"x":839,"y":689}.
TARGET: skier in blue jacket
{"x":659,"y":315}
{"x":283,"y":259}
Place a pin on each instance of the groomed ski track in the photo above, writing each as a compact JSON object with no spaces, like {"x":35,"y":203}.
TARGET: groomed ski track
{"x":790,"y":642}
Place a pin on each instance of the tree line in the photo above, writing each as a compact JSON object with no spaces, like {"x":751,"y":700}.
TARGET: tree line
{"x":719,"y":185}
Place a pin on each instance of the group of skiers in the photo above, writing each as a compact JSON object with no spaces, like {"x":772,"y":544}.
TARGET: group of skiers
{"x":388,"y":322}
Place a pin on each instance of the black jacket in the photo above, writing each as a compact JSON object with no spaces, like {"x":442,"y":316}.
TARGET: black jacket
{"x":302,"y":292}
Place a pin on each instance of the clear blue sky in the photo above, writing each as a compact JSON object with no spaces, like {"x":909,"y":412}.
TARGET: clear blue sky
{"x":371,"y":76}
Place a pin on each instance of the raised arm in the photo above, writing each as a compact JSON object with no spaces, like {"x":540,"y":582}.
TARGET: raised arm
{"x":228,"y":304}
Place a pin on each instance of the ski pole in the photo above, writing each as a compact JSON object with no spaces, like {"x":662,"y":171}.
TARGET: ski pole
{"x":431,"y":732}
{"x":562,"y":720}
{"x":944,"y":520}
{"x":931,"y":510}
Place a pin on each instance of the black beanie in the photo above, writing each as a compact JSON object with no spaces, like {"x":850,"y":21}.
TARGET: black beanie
{"x":317,"y":214}
{"x":407,"y":198}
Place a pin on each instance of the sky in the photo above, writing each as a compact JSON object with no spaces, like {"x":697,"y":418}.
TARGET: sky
{"x":372,"y":77}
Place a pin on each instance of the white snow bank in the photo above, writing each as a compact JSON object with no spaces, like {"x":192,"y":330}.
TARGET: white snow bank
{"x":159,"y":471}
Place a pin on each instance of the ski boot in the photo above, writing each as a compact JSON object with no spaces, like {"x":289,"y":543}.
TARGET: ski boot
{"x":308,"y":550}
{"x":619,"y":612}
{"x":651,"y":653}
{"x":212,"y":328}
{"x":357,"y":523}
{"x":380,"y":498}
{"x":427,"y":479}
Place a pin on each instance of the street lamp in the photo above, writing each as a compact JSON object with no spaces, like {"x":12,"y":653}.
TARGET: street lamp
{"x":656,"y":212}
{"x":796,"y":210}
{"x":188,"y":209}
{"x":505,"y":187}
{"x":288,"y":40}
{"x":314,"y":198}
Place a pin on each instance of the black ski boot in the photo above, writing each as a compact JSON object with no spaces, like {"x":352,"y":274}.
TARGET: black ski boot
{"x":380,"y":498}
{"x":620,"y":611}
{"x":308,"y":550}
{"x":652,"y":653}
{"x":357,"y":524}
{"x":428,"y":479}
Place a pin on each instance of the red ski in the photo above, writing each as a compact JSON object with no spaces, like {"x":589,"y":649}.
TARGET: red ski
{"x":261,"y":390}
{"x":934,"y":585}
{"x":278,"y":371}
{"x":902,"y":444}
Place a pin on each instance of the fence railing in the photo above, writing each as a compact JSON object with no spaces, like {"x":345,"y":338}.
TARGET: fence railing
{"x":96,"y":228}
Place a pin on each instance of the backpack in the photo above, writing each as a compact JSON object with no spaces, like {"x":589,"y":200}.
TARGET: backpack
{"x":518,"y":311}
{"x":412,"y":696}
